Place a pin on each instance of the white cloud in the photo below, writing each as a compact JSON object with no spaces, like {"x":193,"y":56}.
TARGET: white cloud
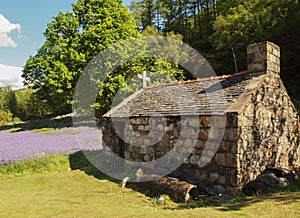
{"x":11,"y":76}
{"x":6,"y":27}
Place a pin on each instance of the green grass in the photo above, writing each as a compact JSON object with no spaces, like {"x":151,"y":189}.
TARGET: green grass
{"x":47,"y":187}
{"x":17,"y":129}
{"x":41,"y":163}
{"x":43,"y":129}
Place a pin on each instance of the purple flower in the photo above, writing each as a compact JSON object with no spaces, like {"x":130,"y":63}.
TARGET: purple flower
{"x":26,"y":144}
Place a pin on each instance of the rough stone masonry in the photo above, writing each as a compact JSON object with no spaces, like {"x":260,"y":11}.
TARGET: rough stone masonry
{"x":261,"y":131}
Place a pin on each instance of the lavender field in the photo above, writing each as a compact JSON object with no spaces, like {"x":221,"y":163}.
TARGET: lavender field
{"x":15,"y":146}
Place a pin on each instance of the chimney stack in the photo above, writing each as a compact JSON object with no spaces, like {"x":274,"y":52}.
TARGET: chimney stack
{"x":263,"y":57}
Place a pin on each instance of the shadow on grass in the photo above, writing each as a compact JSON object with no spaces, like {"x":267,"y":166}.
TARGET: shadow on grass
{"x":280,"y":196}
{"x":79,"y":161}
{"x":285,"y":197}
{"x":48,"y":123}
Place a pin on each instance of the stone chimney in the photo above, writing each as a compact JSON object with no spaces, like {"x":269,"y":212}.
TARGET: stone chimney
{"x":263,"y":57}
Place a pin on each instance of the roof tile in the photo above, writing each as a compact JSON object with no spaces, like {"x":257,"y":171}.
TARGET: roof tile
{"x":207,"y":96}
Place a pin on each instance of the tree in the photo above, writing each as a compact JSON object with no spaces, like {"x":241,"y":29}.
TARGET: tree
{"x":7,"y":105}
{"x":72,"y":40}
{"x":28,"y":106}
{"x":123,"y":81}
{"x":4,"y":98}
{"x":222,"y":29}
{"x":145,"y":13}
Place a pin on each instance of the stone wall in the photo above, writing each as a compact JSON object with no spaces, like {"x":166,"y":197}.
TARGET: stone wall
{"x":224,"y":166}
{"x":268,"y":121}
{"x":268,"y":129}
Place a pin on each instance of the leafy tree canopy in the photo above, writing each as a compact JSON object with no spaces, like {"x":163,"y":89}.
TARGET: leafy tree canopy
{"x":241,"y":23}
{"x":72,"y":40}
{"x":75,"y":38}
{"x":222,"y":29}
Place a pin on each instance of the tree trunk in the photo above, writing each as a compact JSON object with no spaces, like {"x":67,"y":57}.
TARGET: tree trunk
{"x":234,"y":59}
{"x":176,"y":189}
{"x":215,"y":8}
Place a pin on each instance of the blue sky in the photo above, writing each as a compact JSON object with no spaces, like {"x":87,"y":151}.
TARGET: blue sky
{"x":22,"y":24}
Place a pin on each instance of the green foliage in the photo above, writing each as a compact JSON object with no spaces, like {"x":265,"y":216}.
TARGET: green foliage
{"x":24,"y":104}
{"x":5,"y":98}
{"x":123,"y":81}
{"x":5,"y":117}
{"x":219,"y":29}
{"x":29,"y":106}
{"x":144,"y":12}
{"x":72,"y":40}
{"x":241,"y":23}
{"x":7,"y":106}
{"x":45,"y":129}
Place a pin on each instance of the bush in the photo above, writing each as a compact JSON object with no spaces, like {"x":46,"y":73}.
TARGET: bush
{"x":5,"y":117}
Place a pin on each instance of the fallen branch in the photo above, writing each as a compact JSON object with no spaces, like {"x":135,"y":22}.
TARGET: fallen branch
{"x":176,"y":189}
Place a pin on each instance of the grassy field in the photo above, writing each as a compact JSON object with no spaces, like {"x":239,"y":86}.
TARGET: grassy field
{"x":54,"y":186}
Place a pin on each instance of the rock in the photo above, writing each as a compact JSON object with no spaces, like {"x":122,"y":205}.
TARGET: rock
{"x":162,"y":201}
{"x":218,"y":189}
{"x":269,"y":180}
{"x":221,"y":180}
{"x":160,"y":127}
{"x":221,"y":199}
{"x":213,"y":177}
{"x":205,"y":121}
{"x":281,"y":172}
{"x":141,"y":127}
{"x":124,"y":181}
{"x":283,"y":182}
{"x":194,"y":123}
{"x":203,"y":134}
{"x":194,"y":159}
{"x":263,"y":183}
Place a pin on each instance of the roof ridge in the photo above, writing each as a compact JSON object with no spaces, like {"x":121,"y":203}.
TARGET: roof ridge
{"x":226,"y":76}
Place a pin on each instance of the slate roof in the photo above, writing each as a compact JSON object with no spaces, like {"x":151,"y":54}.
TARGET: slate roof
{"x":208,"y":96}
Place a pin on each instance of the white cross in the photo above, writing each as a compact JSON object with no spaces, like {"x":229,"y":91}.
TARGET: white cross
{"x":144,"y":78}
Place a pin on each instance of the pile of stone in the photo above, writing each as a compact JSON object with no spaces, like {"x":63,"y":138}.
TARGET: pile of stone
{"x":270,"y":180}
{"x":182,"y":187}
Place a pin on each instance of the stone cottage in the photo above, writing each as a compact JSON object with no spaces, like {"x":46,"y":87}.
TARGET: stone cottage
{"x":230,"y":128}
